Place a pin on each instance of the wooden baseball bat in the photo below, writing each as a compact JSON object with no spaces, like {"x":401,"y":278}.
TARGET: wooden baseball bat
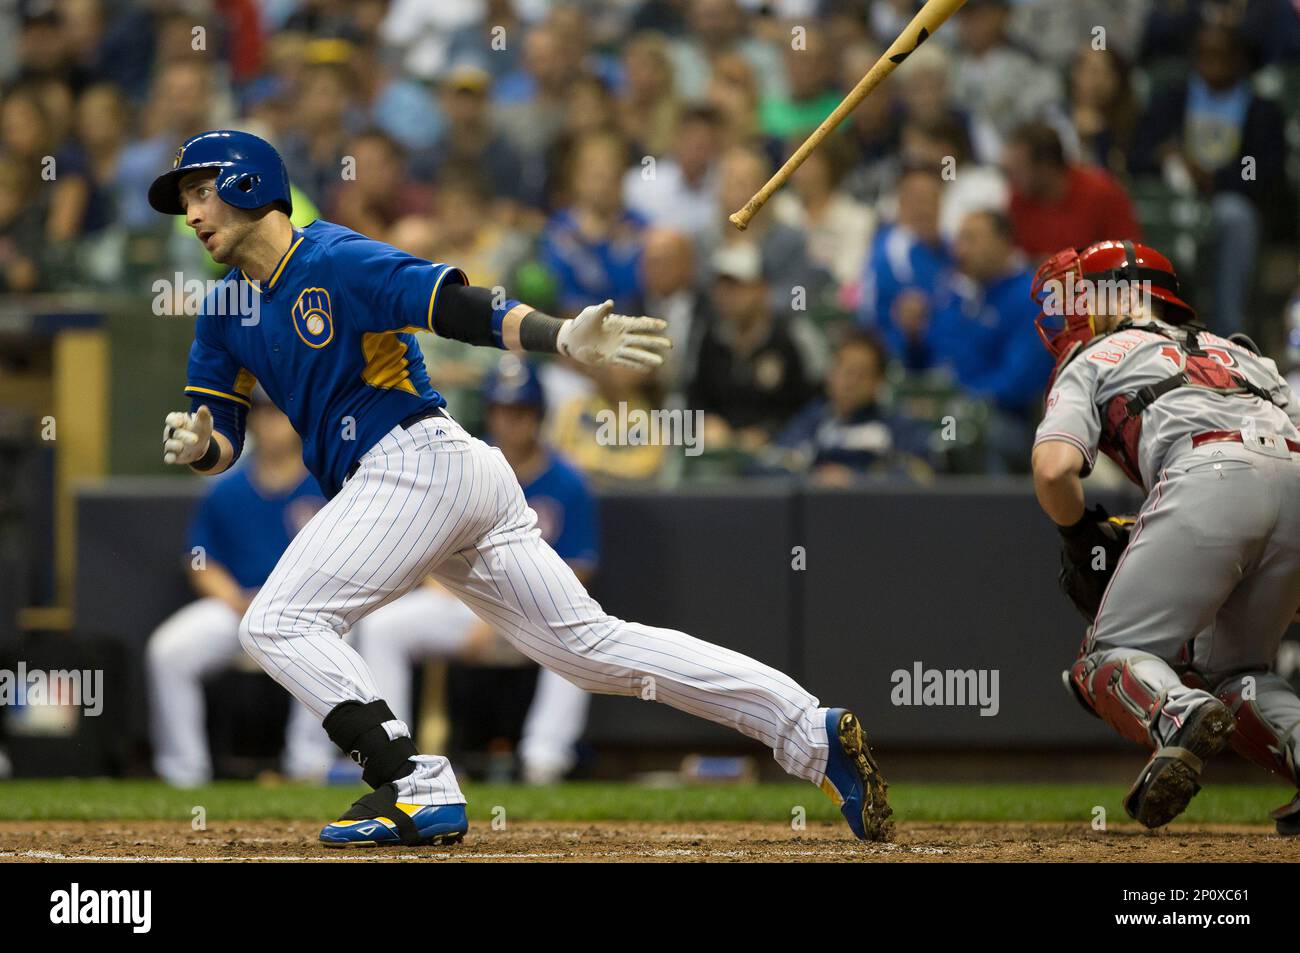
{"x":928,"y":19}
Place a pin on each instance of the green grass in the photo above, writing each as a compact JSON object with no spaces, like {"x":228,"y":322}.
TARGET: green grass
{"x":76,"y":799}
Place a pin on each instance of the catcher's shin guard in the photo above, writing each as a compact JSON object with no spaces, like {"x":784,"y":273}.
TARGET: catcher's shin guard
{"x":1257,"y":738}
{"x":1112,"y":690}
{"x":372,"y":736}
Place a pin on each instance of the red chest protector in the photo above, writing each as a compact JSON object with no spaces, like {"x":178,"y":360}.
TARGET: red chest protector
{"x":1211,"y":369}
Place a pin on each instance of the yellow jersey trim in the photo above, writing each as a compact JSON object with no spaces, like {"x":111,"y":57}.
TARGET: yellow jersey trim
{"x":433,"y":295}
{"x":219,"y":393}
{"x":283,"y":261}
{"x":279,"y":268}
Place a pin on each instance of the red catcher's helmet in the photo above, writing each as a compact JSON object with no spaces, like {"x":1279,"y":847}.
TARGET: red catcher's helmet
{"x":1071,"y":277}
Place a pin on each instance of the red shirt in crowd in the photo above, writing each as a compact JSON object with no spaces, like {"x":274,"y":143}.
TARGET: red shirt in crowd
{"x":1093,"y":208}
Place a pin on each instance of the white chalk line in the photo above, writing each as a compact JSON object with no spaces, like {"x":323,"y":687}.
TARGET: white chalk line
{"x":365,"y":855}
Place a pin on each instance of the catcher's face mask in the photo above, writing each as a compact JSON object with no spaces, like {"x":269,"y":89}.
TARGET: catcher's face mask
{"x":1065,"y":320}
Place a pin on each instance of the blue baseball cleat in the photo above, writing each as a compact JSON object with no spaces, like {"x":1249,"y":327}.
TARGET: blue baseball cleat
{"x":379,"y":818}
{"x":853,"y":779}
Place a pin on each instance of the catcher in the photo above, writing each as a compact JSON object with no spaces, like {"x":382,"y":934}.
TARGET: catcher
{"x":1189,"y":602}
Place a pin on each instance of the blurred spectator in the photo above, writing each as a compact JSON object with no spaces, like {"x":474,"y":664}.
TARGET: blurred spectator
{"x":531,"y":104}
{"x":487,"y":44}
{"x":22,"y":227}
{"x":180,"y":105}
{"x":649,"y":108}
{"x":717,"y":27}
{"x":872,"y":130}
{"x":942,"y":144}
{"x":1214,"y":135}
{"x":422,"y":33}
{"x":982,"y":330}
{"x":812,"y":97}
{"x":847,"y":432}
{"x":324,"y":117}
{"x":837,"y":227}
{"x":471,"y":239}
{"x":1055,"y":203}
{"x":733,"y":91}
{"x":26,"y":132}
{"x":1271,"y":26}
{"x":669,"y":274}
{"x":889,"y":17}
{"x":999,"y":84}
{"x":1103,"y":110}
{"x":470,"y":141}
{"x":785,"y":265}
{"x":907,"y":261}
{"x":381,"y":192}
{"x":44,"y":44}
{"x":587,"y":431}
{"x":1053,"y":29}
{"x":663,"y":16}
{"x":27,"y":140}
{"x":925,"y":87}
{"x":593,"y":247}
{"x":103,"y":125}
{"x":752,"y":374}
{"x":681,"y":191}
{"x":589,"y":110}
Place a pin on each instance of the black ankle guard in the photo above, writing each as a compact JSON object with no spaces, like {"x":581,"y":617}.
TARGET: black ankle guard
{"x":382,"y":802}
{"x":358,"y":730}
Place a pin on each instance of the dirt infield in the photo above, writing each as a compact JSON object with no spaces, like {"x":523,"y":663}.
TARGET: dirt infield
{"x":285,"y":841}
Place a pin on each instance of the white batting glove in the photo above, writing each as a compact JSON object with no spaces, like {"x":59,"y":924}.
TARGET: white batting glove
{"x":186,"y":436}
{"x":596,"y":336}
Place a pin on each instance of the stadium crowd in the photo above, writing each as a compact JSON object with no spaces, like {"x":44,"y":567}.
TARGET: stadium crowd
{"x":874,"y":319}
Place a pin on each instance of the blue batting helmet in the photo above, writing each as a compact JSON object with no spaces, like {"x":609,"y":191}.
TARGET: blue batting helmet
{"x":514,"y":381}
{"x":250,"y":173}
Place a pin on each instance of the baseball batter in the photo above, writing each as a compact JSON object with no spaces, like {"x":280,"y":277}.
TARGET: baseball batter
{"x":1179,"y":657}
{"x":327,"y":332}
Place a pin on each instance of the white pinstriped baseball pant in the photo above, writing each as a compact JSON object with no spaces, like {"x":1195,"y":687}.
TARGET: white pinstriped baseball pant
{"x":435,"y":500}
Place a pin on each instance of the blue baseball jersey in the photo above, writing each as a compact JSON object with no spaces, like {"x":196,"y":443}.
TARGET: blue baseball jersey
{"x":329,"y":338}
{"x":245,"y":530}
{"x":566,"y":512}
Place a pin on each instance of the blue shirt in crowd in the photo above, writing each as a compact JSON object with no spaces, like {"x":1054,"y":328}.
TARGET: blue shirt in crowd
{"x":566,"y":512}
{"x":898,"y":260}
{"x":245,"y":529}
{"x":985,"y":334}
{"x":589,"y":272}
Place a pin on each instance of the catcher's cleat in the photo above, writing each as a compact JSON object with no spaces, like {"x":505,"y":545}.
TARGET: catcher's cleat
{"x":853,"y":779}
{"x":379,"y":818}
{"x":1288,"y":818}
{"x":1170,"y":778}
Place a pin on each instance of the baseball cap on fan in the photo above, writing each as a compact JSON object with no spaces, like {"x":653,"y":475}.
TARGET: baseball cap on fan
{"x":466,"y":78}
{"x":739,"y":261}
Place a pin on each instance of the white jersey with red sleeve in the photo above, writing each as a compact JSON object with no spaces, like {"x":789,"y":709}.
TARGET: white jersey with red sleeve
{"x":1098,"y":400}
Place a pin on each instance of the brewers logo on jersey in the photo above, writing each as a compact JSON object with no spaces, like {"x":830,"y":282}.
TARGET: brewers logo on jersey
{"x":312,"y":318}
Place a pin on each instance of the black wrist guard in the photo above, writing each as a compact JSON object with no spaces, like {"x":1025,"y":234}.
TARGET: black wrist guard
{"x":538,"y":332}
{"x":210,"y":456}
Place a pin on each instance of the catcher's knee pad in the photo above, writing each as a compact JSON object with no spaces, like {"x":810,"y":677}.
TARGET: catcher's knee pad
{"x":1258,"y":739}
{"x":373,"y":737}
{"x":1114,"y":693}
